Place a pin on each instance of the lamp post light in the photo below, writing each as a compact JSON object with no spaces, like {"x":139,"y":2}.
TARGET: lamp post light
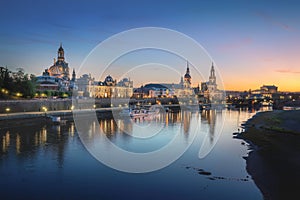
{"x":44,"y":108}
{"x":18,"y":94}
{"x":7,"y":110}
{"x":4,"y":91}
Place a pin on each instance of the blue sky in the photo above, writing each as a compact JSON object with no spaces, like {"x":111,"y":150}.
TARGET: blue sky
{"x":252,"y":42}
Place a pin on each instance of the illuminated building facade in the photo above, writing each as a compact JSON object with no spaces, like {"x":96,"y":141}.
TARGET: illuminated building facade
{"x":109,"y":88}
{"x":60,"y":67}
{"x":182,"y":89}
{"x":56,"y":77}
{"x":210,"y":89}
{"x":47,"y":82}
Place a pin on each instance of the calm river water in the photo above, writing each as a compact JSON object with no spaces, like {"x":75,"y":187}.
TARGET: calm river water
{"x":43,"y":161}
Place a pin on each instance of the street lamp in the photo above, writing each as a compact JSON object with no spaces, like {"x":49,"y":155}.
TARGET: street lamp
{"x":44,"y":108}
{"x":18,"y":94}
{"x":7,"y":110}
{"x":4,"y":91}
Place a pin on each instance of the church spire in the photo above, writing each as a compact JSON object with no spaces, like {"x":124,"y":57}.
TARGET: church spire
{"x":73,"y":75}
{"x":212,"y":77}
{"x":187,"y":67}
{"x":187,"y":76}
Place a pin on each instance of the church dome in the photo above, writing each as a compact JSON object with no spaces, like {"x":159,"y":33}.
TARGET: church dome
{"x":109,"y":80}
{"x":55,"y":71}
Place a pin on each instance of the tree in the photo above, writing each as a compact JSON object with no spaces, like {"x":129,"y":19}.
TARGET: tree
{"x":47,"y":93}
{"x":17,"y":83}
{"x":6,"y":82}
{"x":60,"y":94}
{"x":28,"y":89}
{"x":56,"y":93}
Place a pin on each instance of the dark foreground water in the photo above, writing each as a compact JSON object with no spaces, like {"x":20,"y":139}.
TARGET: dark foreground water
{"x":44,"y":161}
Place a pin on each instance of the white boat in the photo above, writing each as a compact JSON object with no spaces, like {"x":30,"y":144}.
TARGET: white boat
{"x":55,"y":120}
{"x":290,"y":108}
{"x":138,"y":113}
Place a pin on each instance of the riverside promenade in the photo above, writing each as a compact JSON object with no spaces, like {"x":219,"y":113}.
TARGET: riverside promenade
{"x":41,"y":114}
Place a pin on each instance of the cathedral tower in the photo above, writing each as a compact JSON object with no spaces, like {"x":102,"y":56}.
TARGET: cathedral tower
{"x":187,"y":76}
{"x":212,"y":77}
{"x":73,"y":76}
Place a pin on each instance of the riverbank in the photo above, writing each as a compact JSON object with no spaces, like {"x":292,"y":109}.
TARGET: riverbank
{"x":274,"y":162}
{"x":14,"y":119}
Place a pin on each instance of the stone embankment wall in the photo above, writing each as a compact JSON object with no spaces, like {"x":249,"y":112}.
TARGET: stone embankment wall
{"x":35,"y":105}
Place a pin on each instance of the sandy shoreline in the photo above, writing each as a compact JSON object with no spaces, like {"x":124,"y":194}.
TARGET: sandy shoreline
{"x":274,"y":163}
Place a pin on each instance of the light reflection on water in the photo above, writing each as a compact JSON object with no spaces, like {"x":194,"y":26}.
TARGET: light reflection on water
{"x":128,"y":133}
{"x":51,"y":157}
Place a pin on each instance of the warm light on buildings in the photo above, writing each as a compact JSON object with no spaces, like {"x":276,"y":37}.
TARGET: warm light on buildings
{"x":44,"y":108}
{"x":18,"y":94}
{"x":4,"y":91}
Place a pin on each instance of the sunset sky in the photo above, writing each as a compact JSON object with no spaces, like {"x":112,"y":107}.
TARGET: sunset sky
{"x":252,"y":42}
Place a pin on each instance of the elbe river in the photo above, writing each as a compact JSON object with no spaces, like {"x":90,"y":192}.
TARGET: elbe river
{"x":46,"y":161}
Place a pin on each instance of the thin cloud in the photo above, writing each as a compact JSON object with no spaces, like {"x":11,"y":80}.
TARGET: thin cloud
{"x":287,"y":71}
{"x":274,"y":22}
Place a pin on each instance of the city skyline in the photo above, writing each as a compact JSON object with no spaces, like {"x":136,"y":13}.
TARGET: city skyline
{"x":251,"y":44}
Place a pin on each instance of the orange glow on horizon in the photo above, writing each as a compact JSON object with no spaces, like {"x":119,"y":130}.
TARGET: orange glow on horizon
{"x":290,"y":86}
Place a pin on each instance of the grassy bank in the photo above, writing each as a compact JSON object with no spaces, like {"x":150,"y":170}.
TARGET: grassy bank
{"x":275,"y":163}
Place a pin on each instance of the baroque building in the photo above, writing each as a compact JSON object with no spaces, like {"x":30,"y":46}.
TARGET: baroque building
{"x":109,"y":88}
{"x":210,"y":89}
{"x":57,"y":77}
{"x":183,"y":89}
{"x":60,"y":67}
{"x":47,"y":82}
